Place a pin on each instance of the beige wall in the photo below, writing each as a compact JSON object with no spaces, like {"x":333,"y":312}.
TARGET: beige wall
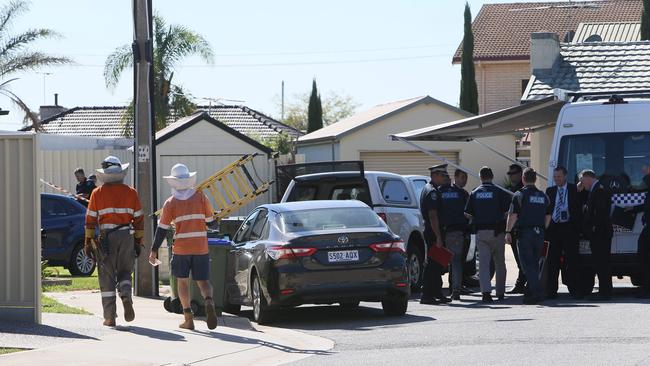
{"x":540,"y":153}
{"x":499,"y":84}
{"x":472,"y":155}
{"x":20,"y":223}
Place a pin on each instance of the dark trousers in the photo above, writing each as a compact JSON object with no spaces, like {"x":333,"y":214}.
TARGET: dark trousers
{"x":530,"y":245}
{"x":644,"y":258}
{"x":432,"y":281}
{"x":564,"y":239}
{"x":601,"y":251}
{"x":521,"y":277}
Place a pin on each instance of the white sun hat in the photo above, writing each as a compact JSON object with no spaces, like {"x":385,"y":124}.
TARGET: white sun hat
{"x":112,"y":170}
{"x":181,"y":178}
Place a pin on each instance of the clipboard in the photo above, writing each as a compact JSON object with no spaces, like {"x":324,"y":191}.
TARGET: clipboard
{"x":442,"y":256}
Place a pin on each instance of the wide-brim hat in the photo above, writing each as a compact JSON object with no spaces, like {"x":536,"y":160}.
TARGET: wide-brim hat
{"x":112,"y":170}
{"x":181,"y":178}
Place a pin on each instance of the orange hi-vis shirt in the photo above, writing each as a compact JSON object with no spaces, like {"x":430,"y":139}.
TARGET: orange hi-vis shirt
{"x":114,"y":204}
{"x":189,"y":218}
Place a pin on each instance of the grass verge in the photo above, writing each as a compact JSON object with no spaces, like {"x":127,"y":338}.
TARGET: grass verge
{"x":49,"y":305}
{"x":4,"y":351}
{"x":78,"y":283}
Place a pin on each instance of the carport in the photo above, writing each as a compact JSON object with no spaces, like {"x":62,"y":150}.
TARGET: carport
{"x":529,"y":117}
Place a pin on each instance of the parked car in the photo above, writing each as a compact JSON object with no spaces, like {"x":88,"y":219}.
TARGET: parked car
{"x":315,"y":252}
{"x":62,"y":234}
{"x":389,"y":195}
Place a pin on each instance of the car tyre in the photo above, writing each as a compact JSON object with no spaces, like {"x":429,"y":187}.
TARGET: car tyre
{"x":395,"y":307}
{"x":261,"y":312}
{"x":415,"y":267}
{"x":81,"y":264}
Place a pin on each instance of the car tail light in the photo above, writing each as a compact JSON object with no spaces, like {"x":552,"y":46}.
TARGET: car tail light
{"x":383,"y":216}
{"x":280,"y":252}
{"x":401,"y":284}
{"x":287,"y":291}
{"x":396,"y":246}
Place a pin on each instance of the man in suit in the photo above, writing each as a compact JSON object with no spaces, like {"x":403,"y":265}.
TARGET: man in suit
{"x":597,"y":227}
{"x":563,"y":233}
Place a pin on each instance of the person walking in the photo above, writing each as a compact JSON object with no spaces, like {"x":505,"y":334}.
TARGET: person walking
{"x":189,"y":211}
{"x":515,"y":185}
{"x":455,"y":228}
{"x":84,"y":186}
{"x":597,"y":227}
{"x":430,"y":207}
{"x":115,"y":209}
{"x":563,"y":233}
{"x":487,"y":207}
{"x":530,"y":213}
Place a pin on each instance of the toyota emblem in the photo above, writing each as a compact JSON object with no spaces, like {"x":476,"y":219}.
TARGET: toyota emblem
{"x":343,"y":239}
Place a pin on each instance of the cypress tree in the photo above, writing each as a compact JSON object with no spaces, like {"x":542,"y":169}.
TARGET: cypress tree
{"x":314,"y":110}
{"x":468,"y":88}
{"x":645,"y":22}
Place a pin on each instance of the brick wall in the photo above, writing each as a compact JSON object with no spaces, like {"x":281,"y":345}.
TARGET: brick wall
{"x":500,"y":84}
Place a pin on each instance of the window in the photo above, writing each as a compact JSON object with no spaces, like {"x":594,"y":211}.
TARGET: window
{"x":608,"y":154}
{"x":394,"y":191}
{"x":243,"y":233}
{"x":302,"y":193}
{"x":51,"y":207}
{"x":258,"y":226}
{"x":329,"y":219}
{"x":418,"y":186}
{"x":350,"y":192}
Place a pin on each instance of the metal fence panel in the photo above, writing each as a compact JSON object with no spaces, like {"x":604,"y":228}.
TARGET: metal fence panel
{"x":20,"y":222}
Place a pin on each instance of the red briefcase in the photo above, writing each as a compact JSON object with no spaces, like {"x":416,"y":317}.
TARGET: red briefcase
{"x":441,"y":255}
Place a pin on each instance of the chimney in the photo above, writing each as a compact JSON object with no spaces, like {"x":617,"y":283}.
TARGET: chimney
{"x":47,"y":111}
{"x":544,"y":51}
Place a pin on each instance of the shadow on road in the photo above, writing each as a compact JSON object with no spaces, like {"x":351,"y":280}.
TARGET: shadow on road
{"x":156,"y":334}
{"x":258,"y":342}
{"x":39,"y":330}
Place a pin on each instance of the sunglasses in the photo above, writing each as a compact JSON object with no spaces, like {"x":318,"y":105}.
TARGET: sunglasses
{"x":108,"y":164}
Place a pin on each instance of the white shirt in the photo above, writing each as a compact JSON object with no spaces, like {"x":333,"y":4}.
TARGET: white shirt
{"x":561,"y":206}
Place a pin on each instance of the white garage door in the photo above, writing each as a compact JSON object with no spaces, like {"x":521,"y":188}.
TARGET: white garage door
{"x":405,"y":162}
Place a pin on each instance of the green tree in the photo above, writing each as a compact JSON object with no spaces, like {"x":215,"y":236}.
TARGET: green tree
{"x":468,"y":89}
{"x":171,"y":45}
{"x":335,"y":107}
{"x":16,"y":57}
{"x":314,"y":110}
{"x":645,"y":22}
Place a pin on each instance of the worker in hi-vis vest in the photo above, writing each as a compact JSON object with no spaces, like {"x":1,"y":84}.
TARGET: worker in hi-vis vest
{"x":115,"y":209}
{"x":189,"y":211}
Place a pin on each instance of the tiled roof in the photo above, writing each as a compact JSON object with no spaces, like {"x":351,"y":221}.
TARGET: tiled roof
{"x":608,"y":32}
{"x":502,"y":31}
{"x":107,"y":121}
{"x":590,"y":67}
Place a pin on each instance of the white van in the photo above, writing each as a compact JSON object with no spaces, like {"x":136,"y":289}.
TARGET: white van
{"x":612,"y":137}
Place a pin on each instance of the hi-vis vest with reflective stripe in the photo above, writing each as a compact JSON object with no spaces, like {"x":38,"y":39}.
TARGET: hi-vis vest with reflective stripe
{"x":112,"y":205}
{"x":189,"y":218}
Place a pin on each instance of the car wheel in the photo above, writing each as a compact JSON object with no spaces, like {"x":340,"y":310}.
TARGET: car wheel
{"x":415,"y":267}
{"x":261,"y":311}
{"x":395,"y":307}
{"x":80,"y":263}
{"x":350,"y":304}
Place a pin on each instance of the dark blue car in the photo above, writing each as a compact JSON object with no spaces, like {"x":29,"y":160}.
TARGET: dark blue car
{"x":62,"y":234}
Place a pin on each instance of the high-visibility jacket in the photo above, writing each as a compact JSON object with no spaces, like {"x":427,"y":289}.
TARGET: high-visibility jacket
{"x":189,"y":218}
{"x":114,"y":204}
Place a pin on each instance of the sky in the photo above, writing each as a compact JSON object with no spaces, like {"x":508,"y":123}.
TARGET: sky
{"x":374,"y":51}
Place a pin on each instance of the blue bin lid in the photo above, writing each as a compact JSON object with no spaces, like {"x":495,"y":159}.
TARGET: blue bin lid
{"x":219,"y":241}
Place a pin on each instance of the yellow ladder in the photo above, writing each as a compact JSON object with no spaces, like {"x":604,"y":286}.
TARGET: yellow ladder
{"x":232,"y":187}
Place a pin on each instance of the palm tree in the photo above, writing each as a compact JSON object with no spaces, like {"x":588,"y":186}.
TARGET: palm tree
{"x":171,"y":44}
{"x":16,"y":57}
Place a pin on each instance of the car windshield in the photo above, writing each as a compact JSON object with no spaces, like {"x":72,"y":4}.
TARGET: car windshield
{"x":329,"y":219}
{"x":608,"y":154}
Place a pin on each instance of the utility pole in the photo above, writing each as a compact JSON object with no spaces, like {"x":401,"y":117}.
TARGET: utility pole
{"x":146,"y":283}
{"x":282,"y":118}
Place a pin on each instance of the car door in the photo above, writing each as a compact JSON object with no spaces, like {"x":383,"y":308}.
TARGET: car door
{"x":398,"y":199}
{"x":238,"y":260}
{"x":57,"y":223}
{"x":251,"y":247}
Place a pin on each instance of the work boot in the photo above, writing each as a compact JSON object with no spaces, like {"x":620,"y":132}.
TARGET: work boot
{"x":455,"y":295}
{"x":211,"y":313}
{"x":487,"y":298}
{"x":501,"y":297}
{"x":429,"y":301}
{"x":189,"y":320}
{"x":519,"y":288}
{"x":443,"y":299}
{"x":129,"y":313}
{"x":109,"y":322}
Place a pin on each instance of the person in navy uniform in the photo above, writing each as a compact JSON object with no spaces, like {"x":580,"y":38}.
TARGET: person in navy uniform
{"x":487,"y":207}
{"x":430,"y":206}
{"x":455,"y":227}
{"x":530,"y":213}
{"x":563,"y":233}
{"x":515,"y":184}
{"x":84,"y":186}
{"x":597,"y":227}
{"x":644,"y":239}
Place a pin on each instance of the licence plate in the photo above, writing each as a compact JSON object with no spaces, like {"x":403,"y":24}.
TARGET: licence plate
{"x":343,"y":256}
{"x":584,"y":247}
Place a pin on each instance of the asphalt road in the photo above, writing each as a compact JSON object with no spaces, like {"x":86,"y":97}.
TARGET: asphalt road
{"x":558,"y":332}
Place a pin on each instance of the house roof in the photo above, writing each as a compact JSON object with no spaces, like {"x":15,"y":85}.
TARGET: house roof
{"x":608,"y":32}
{"x":370,"y":116}
{"x":189,"y":121}
{"x":591,"y":67}
{"x":495,"y":42}
{"x":107,"y":121}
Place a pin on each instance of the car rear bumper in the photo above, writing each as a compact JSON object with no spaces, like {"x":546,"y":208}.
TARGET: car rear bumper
{"x":624,"y":264}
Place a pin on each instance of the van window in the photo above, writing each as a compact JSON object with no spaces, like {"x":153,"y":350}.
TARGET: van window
{"x":350,"y":192}
{"x":611,"y":154}
{"x":418,"y":186}
{"x":394,"y":191}
{"x":302,"y":193}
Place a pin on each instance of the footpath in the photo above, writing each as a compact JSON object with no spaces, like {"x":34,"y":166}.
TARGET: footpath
{"x":153,"y":338}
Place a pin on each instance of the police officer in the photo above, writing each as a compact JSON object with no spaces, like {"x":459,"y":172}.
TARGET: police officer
{"x":530,"y":213}
{"x":431,"y":211}
{"x":455,"y":228}
{"x":487,"y":207}
{"x":644,"y":238}
{"x":515,"y":184}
